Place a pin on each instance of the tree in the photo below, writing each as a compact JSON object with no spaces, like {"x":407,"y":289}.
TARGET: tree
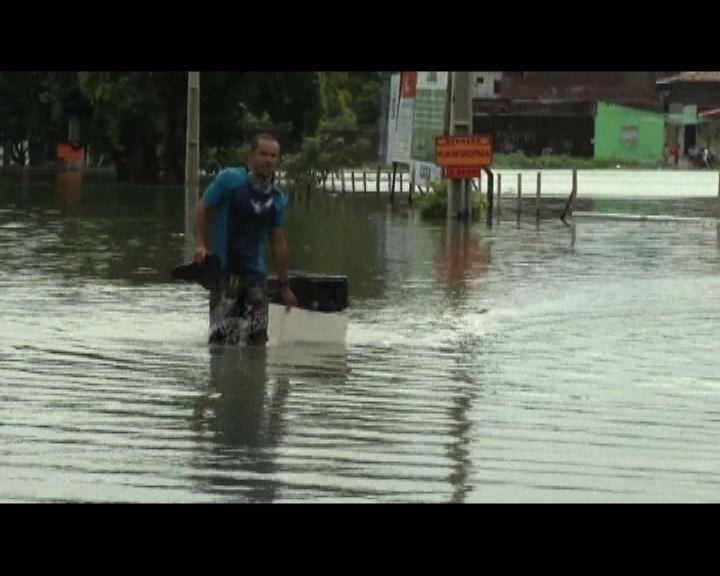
{"x":351,"y":97}
{"x":143,"y":116}
{"x":25,"y":111}
{"x":144,"y":113}
{"x":292,"y":97}
{"x":139,"y":118}
{"x":336,"y":97}
{"x":366,"y":88}
{"x":231,"y":101}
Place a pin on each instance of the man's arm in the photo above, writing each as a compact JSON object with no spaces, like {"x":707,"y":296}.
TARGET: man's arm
{"x":215,"y":195}
{"x":200,"y":225}
{"x":280,"y":255}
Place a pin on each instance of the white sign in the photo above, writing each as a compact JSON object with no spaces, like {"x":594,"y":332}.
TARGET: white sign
{"x":402,"y":103}
{"x":394,"y":105}
{"x":426,"y":172}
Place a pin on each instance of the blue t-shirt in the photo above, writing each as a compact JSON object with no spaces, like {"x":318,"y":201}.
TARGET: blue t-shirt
{"x":242,"y":218}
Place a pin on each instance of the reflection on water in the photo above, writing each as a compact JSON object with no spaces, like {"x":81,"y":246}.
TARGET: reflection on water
{"x":523,"y":362}
{"x":463,"y":255}
{"x":244,"y":411}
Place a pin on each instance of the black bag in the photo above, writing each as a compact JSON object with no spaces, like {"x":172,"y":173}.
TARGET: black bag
{"x":207,"y":273}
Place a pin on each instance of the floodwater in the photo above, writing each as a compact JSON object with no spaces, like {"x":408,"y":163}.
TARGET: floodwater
{"x":524,"y":362}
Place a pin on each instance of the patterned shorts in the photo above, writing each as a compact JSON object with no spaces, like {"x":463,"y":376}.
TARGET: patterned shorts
{"x":239,"y":310}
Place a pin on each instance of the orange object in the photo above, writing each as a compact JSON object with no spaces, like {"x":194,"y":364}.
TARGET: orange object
{"x":70,"y":154}
{"x":461,"y":151}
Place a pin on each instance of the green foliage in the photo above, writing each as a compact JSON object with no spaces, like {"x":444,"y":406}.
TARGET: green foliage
{"x":34,"y":107}
{"x":433,"y":205}
{"x":310,"y":166}
{"x":215,"y":159}
{"x":321,"y":155}
{"x":25,"y":103}
{"x":336,"y":97}
{"x":138,"y":119}
{"x":366,"y":89}
{"x":352,"y":98}
{"x":142,"y":115}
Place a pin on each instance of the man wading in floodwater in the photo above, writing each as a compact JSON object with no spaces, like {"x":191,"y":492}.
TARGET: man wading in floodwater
{"x":247,"y":208}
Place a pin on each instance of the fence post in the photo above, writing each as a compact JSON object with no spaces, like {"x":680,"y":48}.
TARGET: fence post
{"x":519,"y":194}
{"x":392,"y":187}
{"x":499,"y":192}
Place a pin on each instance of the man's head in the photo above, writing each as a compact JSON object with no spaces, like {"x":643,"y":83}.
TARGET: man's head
{"x":264,"y":155}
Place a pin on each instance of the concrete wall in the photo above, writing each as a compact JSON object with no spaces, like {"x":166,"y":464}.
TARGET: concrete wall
{"x":486,"y":84}
{"x":533,"y":135}
{"x":612,"y":86}
{"x":702,"y":94}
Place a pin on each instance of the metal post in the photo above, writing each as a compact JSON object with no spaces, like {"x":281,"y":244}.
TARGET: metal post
{"x":412,"y":186}
{"x":392,"y":186}
{"x":519,"y":195}
{"x":574,"y":181}
{"x":499,"y":192}
{"x":570,"y":202}
{"x":467,"y":196}
{"x":490,"y":193}
{"x":537,"y":197}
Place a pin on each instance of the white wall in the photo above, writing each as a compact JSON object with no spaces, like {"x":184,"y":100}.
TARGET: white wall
{"x":484,"y":84}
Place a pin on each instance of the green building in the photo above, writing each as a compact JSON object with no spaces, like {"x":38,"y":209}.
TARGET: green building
{"x":629,"y":134}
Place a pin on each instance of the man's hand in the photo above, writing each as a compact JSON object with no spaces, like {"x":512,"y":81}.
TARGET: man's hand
{"x":200,"y":254}
{"x":280,"y":251}
{"x":288,"y":297}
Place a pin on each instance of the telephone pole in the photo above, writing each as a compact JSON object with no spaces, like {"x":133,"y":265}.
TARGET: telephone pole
{"x":192,"y":140}
{"x":459,"y":205}
{"x":192,"y":158}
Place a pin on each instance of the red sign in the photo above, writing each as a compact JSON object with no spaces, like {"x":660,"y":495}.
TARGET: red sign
{"x":473,"y":150}
{"x":462,"y":172}
{"x":408,"y":85}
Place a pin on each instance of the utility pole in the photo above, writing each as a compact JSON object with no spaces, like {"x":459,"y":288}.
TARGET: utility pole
{"x":459,"y":204}
{"x":192,"y":158}
{"x":192,"y":140}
